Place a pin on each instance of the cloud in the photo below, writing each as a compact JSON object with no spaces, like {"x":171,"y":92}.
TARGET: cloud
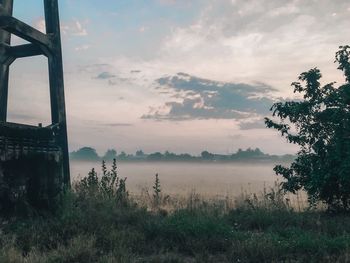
{"x":252,"y":124}
{"x":72,"y":28}
{"x":198,"y":98}
{"x":40,"y":25}
{"x":117,"y":124}
{"x":167,"y":2}
{"x":174,"y":2}
{"x":271,"y":41}
{"x":75,"y":28}
{"x":143,"y":29}
{"x":82,"y":47}
{"x":105,"y":75}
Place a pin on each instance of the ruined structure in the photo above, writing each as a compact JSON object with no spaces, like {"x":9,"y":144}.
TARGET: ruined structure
{"x":34,"y":161}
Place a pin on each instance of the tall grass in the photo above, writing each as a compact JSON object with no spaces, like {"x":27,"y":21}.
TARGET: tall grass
{"x":99,"y":221}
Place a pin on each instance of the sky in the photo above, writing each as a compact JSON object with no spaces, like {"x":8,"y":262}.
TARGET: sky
{"x":178,"y":75}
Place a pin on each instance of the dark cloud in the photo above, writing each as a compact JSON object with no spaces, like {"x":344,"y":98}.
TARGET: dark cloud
{"x":206,"y":99}
{"x":105,"y":75}
{"x":113,"y":81}
{"x":191,"y":109}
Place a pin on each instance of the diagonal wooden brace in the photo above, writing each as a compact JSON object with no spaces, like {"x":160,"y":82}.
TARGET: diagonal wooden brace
{"x":24,"y":31}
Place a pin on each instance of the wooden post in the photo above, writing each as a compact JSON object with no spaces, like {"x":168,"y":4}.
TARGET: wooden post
{"x":5,"y":37}
{"x":58,"y":108}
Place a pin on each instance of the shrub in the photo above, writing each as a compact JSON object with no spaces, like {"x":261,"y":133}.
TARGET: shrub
{"x":109,"y":186}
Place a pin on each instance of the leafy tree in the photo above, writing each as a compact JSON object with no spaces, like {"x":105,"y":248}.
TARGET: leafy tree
{"x":157,"y":156}
{"x":122,"y":156}
{"x":207,"y":155}
{"x":86,"y":154}
{"x":110,"y":155}
{"x":185,"y":157}
{"x":248,"y":154}
{"x":320,"y":124}
{"x":140,"y":153}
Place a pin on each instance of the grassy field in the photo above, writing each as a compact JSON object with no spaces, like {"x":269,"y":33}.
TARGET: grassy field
{"x":95,"y":225}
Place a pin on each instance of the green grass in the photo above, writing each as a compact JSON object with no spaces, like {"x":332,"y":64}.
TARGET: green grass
{"x":104,"y":224}
{"x":99,"y":229}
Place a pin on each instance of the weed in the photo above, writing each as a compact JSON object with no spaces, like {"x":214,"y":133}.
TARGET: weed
{"x":156,"y":191}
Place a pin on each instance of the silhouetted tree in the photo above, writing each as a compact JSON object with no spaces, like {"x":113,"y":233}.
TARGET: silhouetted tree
{"x":249,"y":154}
{"x":110,"y":155}
{"x":122,"y":156}
{"x":207,"y":155}
{"x":157,"y":156}
{"x":320,"y":125}
{"x":139,"y":153}
{"x":86,"y":154}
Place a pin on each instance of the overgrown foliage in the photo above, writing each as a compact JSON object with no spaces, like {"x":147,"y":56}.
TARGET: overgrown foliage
{"x":109,"y":186}
{"x":93,"y":226}
{"x":320,"y":124}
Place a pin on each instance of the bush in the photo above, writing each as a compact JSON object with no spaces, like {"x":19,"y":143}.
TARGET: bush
{"x":109,"y":186}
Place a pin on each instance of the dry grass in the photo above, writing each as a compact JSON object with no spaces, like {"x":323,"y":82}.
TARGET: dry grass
{"x":98,"y":222}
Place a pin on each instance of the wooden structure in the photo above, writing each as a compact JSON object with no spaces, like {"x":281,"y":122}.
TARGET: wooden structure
{"x":33,"y":159}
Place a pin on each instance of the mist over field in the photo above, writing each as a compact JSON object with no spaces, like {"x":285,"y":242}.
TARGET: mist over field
{"x":174,"y":131}
{"x":181,"y":178}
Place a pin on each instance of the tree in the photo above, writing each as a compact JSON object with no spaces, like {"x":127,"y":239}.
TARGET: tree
{"x":140,"y":153}
{"x":249,"y":153}
{"x":122,"y":156}
{"x":157,"y":156}
{"x":110,"y":155}
{"x":207,"y":155}
{"x":320,"y":125}
{"x":85,"y":154}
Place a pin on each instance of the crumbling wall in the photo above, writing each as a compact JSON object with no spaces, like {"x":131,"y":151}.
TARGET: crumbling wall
{"x":31,"y":170}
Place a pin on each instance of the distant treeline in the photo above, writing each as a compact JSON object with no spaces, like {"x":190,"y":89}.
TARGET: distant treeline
{"x":90,"y":154}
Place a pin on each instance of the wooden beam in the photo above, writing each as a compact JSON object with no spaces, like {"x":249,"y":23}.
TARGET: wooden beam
{"x":5,"y":37}
{"x":22,"y":51}
{"x":11,"y":53}
{"x":7,"y":60}
{"x":4,"y":55}
{"x":3,"y":8}
{"x":22,"y":30}
{"x":57,"y":98}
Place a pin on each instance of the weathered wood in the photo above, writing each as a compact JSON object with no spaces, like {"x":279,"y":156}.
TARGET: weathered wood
{"x":24,"y":31}
{"x":21,"y":144}
{"x":5,"y":58}
{"x":5,"y":37}
{"x":23,"y":130}
{"x":58,"y":107}
{"x":22,"y":51}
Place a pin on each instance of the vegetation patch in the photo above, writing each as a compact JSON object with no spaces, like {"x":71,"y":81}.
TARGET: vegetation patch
{"x":98,"y":221}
